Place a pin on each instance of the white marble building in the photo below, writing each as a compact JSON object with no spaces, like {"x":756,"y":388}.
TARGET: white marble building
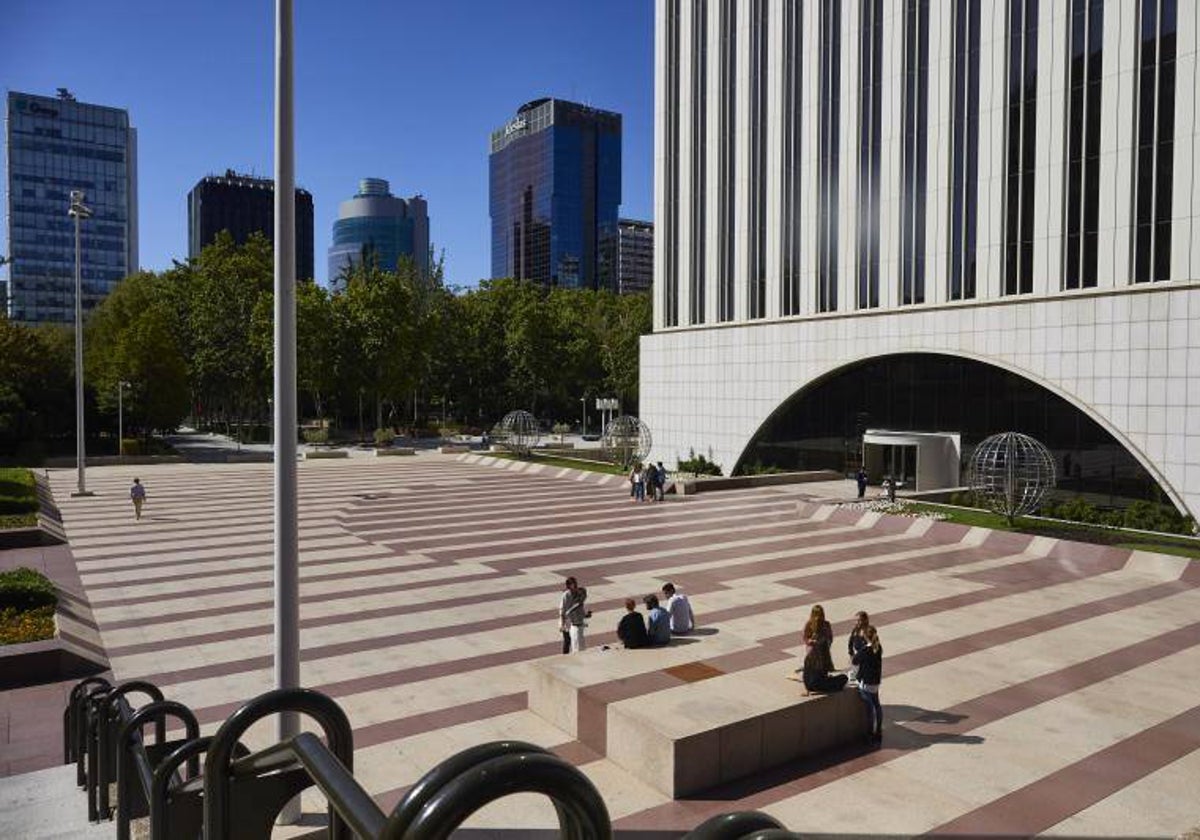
{"x":1005,"y":181}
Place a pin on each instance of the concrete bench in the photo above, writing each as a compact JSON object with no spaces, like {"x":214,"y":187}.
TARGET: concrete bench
{"x":395,"y":450}
{"x":704,"y":711}
{"x":454,"y":448}
{"x":316,"y":454}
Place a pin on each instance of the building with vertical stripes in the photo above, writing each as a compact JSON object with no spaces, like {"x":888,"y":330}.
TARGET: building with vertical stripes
{"x":953,"y":217}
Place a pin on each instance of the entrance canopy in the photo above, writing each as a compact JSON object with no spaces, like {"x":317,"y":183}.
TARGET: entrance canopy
{"x":918,"y":460}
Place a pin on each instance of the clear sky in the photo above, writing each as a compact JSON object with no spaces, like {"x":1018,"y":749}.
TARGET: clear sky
{"x":406,"y":90}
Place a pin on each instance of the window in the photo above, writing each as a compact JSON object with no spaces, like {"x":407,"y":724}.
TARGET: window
{"x":870,"y":88}
{"x":828,"y":140}
{"x":964,"y":180}
{"x":1020,"y":146}
{"x":792,"y":127}
{"x":671,"y":186}
{"x":1155,"y":135}
{"x":728,"y":104}
{"x":913,"y":156}
{"x":757,"y":285}
{"x":699,"y":157}
{"x":1085,"y":37}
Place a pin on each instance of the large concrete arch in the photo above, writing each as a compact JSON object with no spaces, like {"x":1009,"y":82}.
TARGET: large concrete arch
{"x":1128,"y":358}
{"x":837,"y":370}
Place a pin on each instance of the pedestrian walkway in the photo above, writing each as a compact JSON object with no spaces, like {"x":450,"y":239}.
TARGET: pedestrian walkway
{"x":1029,"y":686}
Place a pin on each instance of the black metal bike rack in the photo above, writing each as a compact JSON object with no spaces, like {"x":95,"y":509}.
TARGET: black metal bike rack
{"x":139,"y":763}
{"x":240,"y":794}
{"x":243,"y":796}
{"x":741,"y":825}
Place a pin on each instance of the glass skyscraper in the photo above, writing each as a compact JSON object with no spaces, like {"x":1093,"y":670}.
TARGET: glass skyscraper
{"x":555,"y":188}
{"x":377,"y":225}
{"x":56,"y":145}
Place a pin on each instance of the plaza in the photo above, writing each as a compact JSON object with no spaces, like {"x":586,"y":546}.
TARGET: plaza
{"x":1030,"y":686}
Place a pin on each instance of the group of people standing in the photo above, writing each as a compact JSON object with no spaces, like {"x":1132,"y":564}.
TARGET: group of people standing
{"x":866,"y":664}
{"x":647,"y":482}
{"x":634,"y":631}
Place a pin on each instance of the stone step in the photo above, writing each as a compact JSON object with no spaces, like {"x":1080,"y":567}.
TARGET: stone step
{"x":46,"y":804}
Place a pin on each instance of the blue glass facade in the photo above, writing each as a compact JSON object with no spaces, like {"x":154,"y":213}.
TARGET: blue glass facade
{"x":555,"y":189}
{"x":376,"y":225}
{"x":56,"y":145}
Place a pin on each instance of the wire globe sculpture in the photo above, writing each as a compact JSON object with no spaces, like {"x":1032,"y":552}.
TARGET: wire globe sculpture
{"x":1010,"y":473}
{"x":626,"y":440}
{"x":517,"y":432}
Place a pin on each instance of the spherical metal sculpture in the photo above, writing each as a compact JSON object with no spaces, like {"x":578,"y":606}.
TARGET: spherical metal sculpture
{"x":626,"y":440}
{"x":1010,"y":473}
{"x":517,"y":432}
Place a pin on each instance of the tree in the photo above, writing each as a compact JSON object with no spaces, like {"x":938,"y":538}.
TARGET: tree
{"x":36,"y":386}
{"x":134,"y":336}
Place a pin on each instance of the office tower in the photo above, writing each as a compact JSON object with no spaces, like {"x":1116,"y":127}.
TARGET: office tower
{"x":56,"y":145}
{"x":376,"y":225}
{"x":554,"y":188}
{"x":242,"y":205}
{"x":938,"y":220}
{"x":627,"y":257}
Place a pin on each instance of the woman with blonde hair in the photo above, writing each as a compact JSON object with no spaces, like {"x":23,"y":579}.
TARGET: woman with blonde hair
{"x":869,"y":661}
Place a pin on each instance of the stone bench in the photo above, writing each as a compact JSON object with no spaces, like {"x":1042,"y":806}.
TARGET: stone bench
{"x":318,"y":454}
{"x":454,"y":448}
{"x":395,"y":450}
{"x":701,"y":712}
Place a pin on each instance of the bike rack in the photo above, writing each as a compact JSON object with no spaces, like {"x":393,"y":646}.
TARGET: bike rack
{"x":243,"y":796}
{"x":72,"y":740}
{"x":138,"y":763}
{"x":458,"y":787}
{"x":113,"y":712}
{"x":741,"y":825}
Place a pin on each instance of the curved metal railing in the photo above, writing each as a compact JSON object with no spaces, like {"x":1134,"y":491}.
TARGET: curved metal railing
{"x":240,"y":794}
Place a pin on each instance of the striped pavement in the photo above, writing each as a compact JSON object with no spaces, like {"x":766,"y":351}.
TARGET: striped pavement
{"x":1030,"y":686}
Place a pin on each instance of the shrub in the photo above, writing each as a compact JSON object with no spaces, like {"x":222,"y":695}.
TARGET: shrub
{"x":1147,"y":516}
{"x":18,"y":491}
{"x":698,"y":465}
{"x":18,"y":626}
{"x":757,"y":468}
{"x":24,"y":589}
{"x":316,"y":436}
{"x":963,"y":498}
{"x":383,"y":437}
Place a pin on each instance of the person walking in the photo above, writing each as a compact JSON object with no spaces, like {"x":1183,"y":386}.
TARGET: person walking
{"x":660,"y":481}
{"x":680,"y":609}
{"x":861,"y":478}
{"x":572,"y":613}
{"x":651,"y":480}
{"x":639,"y":483}
{"x":137,"y":493}
{"x":869,"y":661}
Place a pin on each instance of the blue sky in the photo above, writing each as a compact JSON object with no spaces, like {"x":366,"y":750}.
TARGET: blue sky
{"x":406,"y":90}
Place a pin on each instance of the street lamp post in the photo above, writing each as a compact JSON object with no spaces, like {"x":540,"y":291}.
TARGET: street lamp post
{"x":121,"y":386}
{"x":583,"y":404}
{"x":79,"y":211}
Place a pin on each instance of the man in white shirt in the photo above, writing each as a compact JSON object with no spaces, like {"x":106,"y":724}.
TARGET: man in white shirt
{"x":682,"y":620}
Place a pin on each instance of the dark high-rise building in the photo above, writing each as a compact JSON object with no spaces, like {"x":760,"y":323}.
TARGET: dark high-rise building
{"x":242,"y":205}
{"x":555,"y":186}
{"x":627,"y":257}
{"x":56,"y":145}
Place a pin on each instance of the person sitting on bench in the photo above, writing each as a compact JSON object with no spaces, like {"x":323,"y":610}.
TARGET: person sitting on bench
{"x":631,"y":630}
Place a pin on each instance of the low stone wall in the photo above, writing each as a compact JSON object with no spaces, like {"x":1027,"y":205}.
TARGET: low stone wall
{"x":688,"y":486}
{"x":395,"y":450}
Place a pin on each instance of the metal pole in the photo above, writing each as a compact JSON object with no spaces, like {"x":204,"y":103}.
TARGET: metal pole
{"x":287,"y":583}
{"x":583,"y":404}
{"x":120,"y":416}
{"x":80,"y":447}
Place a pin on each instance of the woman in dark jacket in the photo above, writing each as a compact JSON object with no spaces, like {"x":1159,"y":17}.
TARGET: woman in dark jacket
{"x":869,"y":660}
{"x":818,"y":659}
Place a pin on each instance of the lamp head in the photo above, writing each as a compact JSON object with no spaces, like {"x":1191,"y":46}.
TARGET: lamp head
{"x":78,"y":208}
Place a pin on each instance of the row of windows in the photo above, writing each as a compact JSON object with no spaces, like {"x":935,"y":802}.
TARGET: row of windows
{"x":1154,"y":134}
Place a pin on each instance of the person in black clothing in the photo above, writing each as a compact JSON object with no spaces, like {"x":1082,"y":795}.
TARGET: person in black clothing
{"x":860,"y":478}
{"x":817,"y":680}
{"x":632,"y":628}
{"x":869,"y":660}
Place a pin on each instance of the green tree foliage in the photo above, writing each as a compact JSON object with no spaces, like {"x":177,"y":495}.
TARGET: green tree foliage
{"x":37,"y":384}
{"x":134,"y":336}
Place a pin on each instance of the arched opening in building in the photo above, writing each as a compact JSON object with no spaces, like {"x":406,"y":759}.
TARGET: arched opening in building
{"x":822,"y":425}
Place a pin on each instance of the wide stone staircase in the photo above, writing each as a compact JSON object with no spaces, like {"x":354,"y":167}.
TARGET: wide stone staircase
{"x":46,"y":804}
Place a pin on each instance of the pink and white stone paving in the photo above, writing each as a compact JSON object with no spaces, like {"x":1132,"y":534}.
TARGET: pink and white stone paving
{"x":1030,"y":686}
